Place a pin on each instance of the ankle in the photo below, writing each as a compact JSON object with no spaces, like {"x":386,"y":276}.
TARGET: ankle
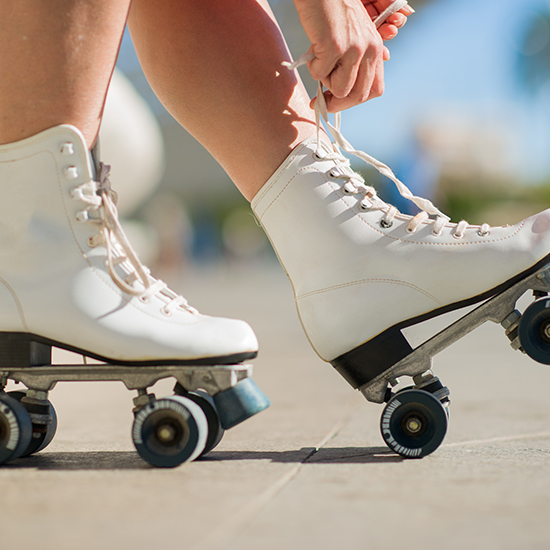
{"x":304,"y":130}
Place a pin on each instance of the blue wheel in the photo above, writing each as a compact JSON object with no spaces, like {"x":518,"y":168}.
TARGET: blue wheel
{"x":42,"y":434}
{"x":414,"y":423}
{"x":215,"y":430}
{"x":534,"y":331}
{"x":170,"y":431}
{"x":15,"y":429}
{"x":208,"y":406}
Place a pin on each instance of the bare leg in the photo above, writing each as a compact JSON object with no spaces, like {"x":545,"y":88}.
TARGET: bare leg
{"x":56,"y":60}
{"x":216,"y":66}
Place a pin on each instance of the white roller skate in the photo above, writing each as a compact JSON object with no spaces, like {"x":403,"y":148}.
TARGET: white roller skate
{"x":69,"y":278}
{"x":362,"y":272}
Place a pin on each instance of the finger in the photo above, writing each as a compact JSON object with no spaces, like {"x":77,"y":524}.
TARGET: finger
{"x":371,"y":10}
{"x":387,"y":31}
{"x":377,"y":7}
{"x":378,"y":86}
{"x":397,"y":19}
{"x":381,"y":5}
{"x":320,"y":66}
{"x":343,"y":77}
{"x":369,"y":84}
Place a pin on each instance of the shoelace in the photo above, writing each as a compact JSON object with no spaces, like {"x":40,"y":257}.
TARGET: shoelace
{"x":102,"y":211}
{"x":355,"y":184}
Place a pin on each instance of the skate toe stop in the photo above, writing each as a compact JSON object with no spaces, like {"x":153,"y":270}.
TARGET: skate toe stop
{"x":240,"y":403}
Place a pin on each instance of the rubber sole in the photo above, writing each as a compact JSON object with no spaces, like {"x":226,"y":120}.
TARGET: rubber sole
{"x":372,"y":358}
{"x":22,"y":349}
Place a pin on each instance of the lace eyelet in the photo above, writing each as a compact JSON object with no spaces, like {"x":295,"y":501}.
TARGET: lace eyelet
{"x":67,"y":149}
{"x":410,"y":231}
{"x":144,"y":299}
{"x":334,"y":174}
{"x":71,"y":172}
{"x":91,"y":242}
{"x":166,"y":313}
{"x":349,"y":189}
{"x":316,"y":156}
{"x":458,"y":235}
{"x":363,"y":206}
{"x":76,"y":193}
{"x":385,"y":223}
{"x":483,"y":234}
{"x":82,"y":216}
{"x":437,"y":233}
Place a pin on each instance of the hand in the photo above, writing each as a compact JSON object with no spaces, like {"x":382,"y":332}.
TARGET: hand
{"x":348,"y":49}
{"x":393,"y":23}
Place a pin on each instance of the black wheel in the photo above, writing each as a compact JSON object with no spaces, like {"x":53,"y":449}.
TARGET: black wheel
{"x":15,"y":429}
{"x":534,"y":331}
{"x":170,"y":431}
{"x":414,"y":423}
{"x":42,"y":434}
{"x":215,"y":430}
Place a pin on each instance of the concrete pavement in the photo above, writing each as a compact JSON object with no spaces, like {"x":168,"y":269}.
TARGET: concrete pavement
{"x":310,"y":472}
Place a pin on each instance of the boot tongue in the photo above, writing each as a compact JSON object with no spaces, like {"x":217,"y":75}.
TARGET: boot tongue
{"x":94,"y":153}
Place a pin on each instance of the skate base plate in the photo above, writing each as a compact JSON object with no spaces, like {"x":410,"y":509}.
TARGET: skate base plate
{"x":212,"y":378}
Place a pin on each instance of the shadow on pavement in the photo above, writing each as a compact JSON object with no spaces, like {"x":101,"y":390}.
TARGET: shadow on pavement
{"x":129,"y":460}
{"x":309,"y":455}
{"x":91,"y":460}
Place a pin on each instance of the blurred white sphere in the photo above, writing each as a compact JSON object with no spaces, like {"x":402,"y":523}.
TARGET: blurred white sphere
{"x":131,"y":142}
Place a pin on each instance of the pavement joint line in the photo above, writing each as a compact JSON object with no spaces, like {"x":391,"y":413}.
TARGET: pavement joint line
{"x":498,"y":439}
{"x":238,"y":521}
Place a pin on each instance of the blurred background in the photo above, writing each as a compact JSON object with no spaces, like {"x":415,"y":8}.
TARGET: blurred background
{"x":465,"y":121}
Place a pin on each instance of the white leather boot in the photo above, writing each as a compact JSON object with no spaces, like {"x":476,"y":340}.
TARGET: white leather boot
{"x":69,"y":277}
{"x":361,"y":271}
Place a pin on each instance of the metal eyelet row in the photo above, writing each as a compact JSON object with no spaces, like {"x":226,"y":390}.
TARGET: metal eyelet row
{"x":70,"y":172}
{"x":163,"y":310}
{"x":386,"y":225}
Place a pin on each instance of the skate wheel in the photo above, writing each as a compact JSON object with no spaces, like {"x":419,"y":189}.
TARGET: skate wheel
{"x":414,"y":423}
{"x":170,"y":431}
{"x":42,"y":435}
{"x":15,"y":429}
{"x":215,"y":430}
{"x":534,"y":331}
